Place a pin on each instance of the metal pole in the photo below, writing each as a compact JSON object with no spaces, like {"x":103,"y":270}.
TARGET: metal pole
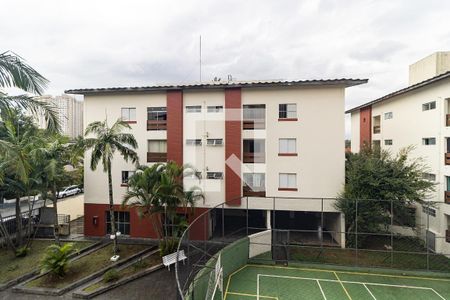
{"x":321,"y":227}
{"x":356,"y":232}
{"x":392,"y":233}
{"x":223,"y":221}
{"x":247,"y":218}
{"x":426,"y":236}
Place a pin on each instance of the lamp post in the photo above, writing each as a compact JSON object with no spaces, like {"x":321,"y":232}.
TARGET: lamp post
{"x":114,"y":236}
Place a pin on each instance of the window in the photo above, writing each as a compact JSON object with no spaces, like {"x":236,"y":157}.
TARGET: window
{"x":254,"y":116}
{"x":193,"y":108}
{"x":156,"y":118}
{"x":388,"y":142}
{"x":193,"y":142}
{"x":429,"y":211}
{"x":429,"y":106}
{"x":429,"y":176}
{"x":288,"y":181}
{"x":388,"y":115}
{"x":287,"y":146}
{"x":254,"y":184}
{"x":129,"y":114}
{"x":287,"y":111}
{"x":214,"y":142}
{"x":254,"y":151}
{"x":429,"y":141}
{"x":122,"y":219}
{"x":126,"y":175}
{"x":215,"y":109}
{"x":157,"y":151}
{"x":214,"y":175}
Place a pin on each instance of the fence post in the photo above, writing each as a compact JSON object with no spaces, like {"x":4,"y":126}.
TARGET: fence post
{"x":426,"y":236}
{"x":356,"y":232}
{"x":321,"y":227}
{"x":392,"y":233}
{"x":247,"y":218}
{"x":223,"y":223}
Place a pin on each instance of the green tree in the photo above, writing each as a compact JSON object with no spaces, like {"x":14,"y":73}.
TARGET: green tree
{"x":376,"y":184}
{"x":105,"y":143}
{"x":157,"y":191}
{"x":15,"y":72}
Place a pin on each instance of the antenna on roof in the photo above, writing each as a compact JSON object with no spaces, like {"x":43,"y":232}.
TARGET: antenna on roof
{"x":200,"y":58}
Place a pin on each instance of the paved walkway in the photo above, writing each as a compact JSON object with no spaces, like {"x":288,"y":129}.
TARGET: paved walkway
{"x":155,"y":286}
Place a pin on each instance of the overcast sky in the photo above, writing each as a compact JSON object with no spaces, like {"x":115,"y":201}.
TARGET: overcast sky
{"x":79,"y":44}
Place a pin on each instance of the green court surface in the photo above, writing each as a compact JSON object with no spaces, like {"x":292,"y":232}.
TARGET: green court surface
{"x":285,"y":283}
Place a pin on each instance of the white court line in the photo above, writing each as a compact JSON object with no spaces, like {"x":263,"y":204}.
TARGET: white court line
{"x":440,"y":296}
{"x":352,"y":282}
{"x":320,"y":287}
{"x":369,"y":292}
{"x":257,"y":287}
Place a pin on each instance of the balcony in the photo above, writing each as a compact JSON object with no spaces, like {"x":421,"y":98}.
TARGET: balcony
{"x":254,"y":157}
{"x":254,"y":124}
{"x":447,"y":235}
{"x":447,"y":197}
{"x":447,"y":158}
{"x":447,"y":120}
{"x":248,"y":192}
{"x":156,"y":124}
{"x":156,"y":156}
{"x":376,"y":129}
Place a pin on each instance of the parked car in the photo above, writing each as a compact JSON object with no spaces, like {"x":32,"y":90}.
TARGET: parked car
{"x":69,"y":191}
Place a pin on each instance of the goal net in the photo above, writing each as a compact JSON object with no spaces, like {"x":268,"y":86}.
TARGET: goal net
{"x":215,"y":282}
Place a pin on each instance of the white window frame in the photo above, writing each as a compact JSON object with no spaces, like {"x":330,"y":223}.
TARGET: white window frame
{"x":388,"y":115}
{"x":429,"y":106}
{"x":129,"y":174}
{"x":214,"y":142}
{"x":156,"y":141}
{"x":214,"y":175}
{"x":291,"y":111}
{"x":429,"y":141}
{"x":193,"y":108}
{"x":388,"y":142}
{"x":291,"y":145}
{"x":194,"y":142}
{"x":215,"y":108}
{"x":128,"y":114}
{"x":287,"y":181}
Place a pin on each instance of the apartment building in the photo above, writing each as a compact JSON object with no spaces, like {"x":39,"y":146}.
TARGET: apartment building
{"x":260,"y":139}
{"x":69,"y":111}
{"x":419,"y":116}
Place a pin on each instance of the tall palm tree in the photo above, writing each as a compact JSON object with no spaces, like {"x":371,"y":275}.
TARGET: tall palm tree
{"x":15,"y":72}
{"x":108,"y":141}
{"x":158,"y":189}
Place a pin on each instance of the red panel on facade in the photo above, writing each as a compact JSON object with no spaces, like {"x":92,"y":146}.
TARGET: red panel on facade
{"x":365,"y":126}
{"x":175,"y":126}
{"x":95,"y":221}
{"x":233,"y":145}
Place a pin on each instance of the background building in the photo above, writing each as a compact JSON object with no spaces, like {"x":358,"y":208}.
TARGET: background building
{"x":419,"y":116}
{"x":282,"y":139}
{"x":70,"y":114}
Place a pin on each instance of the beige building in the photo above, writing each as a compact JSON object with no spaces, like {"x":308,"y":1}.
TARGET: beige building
{"x":419,"y":116}
{"x":261,"y":140}
{"x":70,"y":114}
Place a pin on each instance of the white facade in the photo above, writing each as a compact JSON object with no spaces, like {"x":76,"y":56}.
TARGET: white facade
{"x":418,"y":119}
{"x":433,"y":65}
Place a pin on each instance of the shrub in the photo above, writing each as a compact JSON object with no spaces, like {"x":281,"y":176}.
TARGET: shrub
{"x":111,"y":275}
{"x":140,"y":264}
{"x":22,"y":251}
{"x":168,"y":246}
{"x":56,"y":259}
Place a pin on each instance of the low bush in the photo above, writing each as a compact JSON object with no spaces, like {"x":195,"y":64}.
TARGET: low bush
{"x":168,"y":246}
{"x":111,"y":275}
{"x":56,"y":259}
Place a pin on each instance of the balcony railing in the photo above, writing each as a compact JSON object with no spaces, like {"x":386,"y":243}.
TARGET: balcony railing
{"x":156,"y":156}
{"x":254,"y":124}
{"x":248,"y":192}
{"x":251,"y":157}
{"x":376,"y":129}
{"x":447,"y":158}
{"x":447,"y":197}
{"x":156,"y":124}
{"x":447,"y":235}
{"x":447,"y":120}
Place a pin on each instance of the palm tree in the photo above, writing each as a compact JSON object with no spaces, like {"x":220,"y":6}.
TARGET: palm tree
{"x":15,"y":72}
{"x":158,"y":190}
{"x":104,"y":145}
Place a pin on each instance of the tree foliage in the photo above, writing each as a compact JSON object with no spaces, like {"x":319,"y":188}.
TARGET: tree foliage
{"x":56,"y":259}
{"x":376,"y":184}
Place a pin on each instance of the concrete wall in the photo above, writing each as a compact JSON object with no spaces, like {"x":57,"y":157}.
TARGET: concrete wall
{"x":428,"y":67}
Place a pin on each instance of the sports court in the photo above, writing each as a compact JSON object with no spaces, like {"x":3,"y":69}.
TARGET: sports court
{"x":283,"y":283}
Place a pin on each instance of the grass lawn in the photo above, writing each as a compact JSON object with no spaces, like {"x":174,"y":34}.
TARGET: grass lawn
{"x":85,"y":266}
{"x":13,"y":267}
{"x":147,"y":262}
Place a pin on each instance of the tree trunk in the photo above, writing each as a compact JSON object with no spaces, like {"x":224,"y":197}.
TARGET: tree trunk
{"x":4,"y":232}
{"x":56,"y":223}
{"x":18,"y":223}
{"x":111,"y":209}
